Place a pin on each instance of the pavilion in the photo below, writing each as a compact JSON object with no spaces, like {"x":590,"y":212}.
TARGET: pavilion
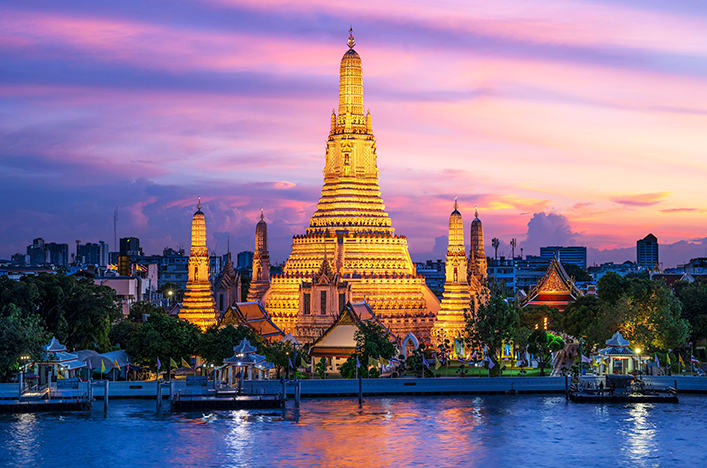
{"x":618,"y":356}
{"x":251,"y":366}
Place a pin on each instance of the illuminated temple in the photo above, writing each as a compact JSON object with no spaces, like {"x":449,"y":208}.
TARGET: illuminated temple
{"x":350,"y":251}
{"x":198,"y":305}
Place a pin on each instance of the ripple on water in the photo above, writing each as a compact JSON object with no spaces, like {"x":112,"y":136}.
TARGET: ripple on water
{"x":405,"y":431}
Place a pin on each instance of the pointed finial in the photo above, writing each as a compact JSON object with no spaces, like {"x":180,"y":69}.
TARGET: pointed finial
{"x":198,"y":206}
{"x":262,"y":215}
{"x":476,"y":212}
{"x":351,"y":41}
{"x":456,"y":205}
{"x":228,"y":246}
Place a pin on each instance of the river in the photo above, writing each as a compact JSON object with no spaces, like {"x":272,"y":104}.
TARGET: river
{"x":488,"y":431}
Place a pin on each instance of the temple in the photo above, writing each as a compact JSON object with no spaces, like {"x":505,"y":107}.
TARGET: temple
{"x":456,"y":299}
{"x":198,"y":305}
{"x":349,"y":252}
{"x":555,"y":288}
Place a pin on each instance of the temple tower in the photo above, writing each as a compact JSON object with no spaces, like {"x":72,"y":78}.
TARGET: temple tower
{"x":198,"y":305}
{"x":477,"y":255}
{"x":352,"y":232}
{"x":456,"y":299}
{"x":260,"y":282}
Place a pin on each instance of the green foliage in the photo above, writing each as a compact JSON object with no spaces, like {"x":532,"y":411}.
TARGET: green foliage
{"x":281,"y":353}
{"x":20,"y":335}
{"x":140,"y":308}
{"x":493,"y":323}
{"x":372,"y":340}
{"x":693,"y":297}
{"x":216,"y":344}
{"x":320,"y":368}
{"x":576,"y":272}
{"x":585,"y":318}
{"x":542,"y":344}
{"x":121,"y":332}
{"x":533,"y":316}
{"x":164,"y":337}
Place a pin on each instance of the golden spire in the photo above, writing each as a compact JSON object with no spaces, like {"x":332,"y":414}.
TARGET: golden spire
{"x":351,"y":41}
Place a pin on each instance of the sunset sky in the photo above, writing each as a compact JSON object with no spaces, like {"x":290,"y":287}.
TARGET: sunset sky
{"x":566,"y":122}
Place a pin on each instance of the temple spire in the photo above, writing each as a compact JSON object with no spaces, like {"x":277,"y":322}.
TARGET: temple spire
{"x":456,"y":204}
{"x":351,"y":42}
{"x":476,"y":212}
{"x":198,"y":206}
{"x":262,"y":215}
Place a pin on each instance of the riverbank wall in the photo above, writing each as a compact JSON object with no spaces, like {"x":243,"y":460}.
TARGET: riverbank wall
{"x":400,"y":386}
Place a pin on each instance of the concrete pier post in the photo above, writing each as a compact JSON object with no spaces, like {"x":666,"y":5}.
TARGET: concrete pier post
{"x":298,"y":392}
{"x":19,"y":394}
{"x":105,"y":396}
{"x":159,"y":394}
{"x":360,"y":390}
{"x":567,"y":388}
{"x":284,"y":389}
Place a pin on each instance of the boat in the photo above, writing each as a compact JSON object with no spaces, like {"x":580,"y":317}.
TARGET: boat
{"x":621,"y":389}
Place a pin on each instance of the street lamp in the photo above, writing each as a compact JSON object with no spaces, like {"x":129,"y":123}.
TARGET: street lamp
{"x":638,"y":352}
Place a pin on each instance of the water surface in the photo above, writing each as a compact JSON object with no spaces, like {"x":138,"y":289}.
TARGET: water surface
{"x":489,"y":431}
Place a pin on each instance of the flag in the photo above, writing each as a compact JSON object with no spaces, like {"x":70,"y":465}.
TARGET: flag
{"x":289,"y":361}
{"x":395,"y":360}
{"x":491,"y":364}
{"x":657,"y":362}
{"x":185,"y":363}
{"x":172,"y":363}
{"x":159,"y":364}
{"x":115,"y":363}
{"x":424,"y":362}
{"x":585,"y":359}
{"x":667,"y":358}
{"x":385,"y":362}
{"x":103,"y":367}
{"x":437,"y":363}
{"x":682,"y":363}
{"x":694,"y":359}
{"x":358,"y":363}
{"x":88,"y":361}
{"x":473,"y":356}
{"x":603,"y":361}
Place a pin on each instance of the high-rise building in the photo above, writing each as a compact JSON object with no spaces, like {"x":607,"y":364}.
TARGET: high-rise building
{"x":198,"y":305}
{"x":576,"y":255}
{"x":36,"y":252}
{"x":130,"y":246}
{"x":57,"y":254}
{"x":647,"y":252}
{"x":350,"y":237}
{"x":456,"y":299}
{"x":244,"y":260}
{"x":93,"y":253}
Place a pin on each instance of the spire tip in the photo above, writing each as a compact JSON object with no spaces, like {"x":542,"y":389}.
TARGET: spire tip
{"x":351,"y":41}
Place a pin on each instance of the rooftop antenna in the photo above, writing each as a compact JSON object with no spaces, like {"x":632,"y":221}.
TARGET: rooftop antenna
{"x":495,"y":243}
{"x":513,"y":248}
{"x":115,"y":230}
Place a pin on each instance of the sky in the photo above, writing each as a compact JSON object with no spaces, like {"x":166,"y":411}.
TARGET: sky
{"x":565,"y":122}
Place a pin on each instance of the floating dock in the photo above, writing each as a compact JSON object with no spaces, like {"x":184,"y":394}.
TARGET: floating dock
{"x":579,"y":397}
{"x":41,"y":406}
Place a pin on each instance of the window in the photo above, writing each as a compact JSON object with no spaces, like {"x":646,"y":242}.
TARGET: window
{"x":307,"y":303}
{"x":220,"y":302}
{"x":322,"y":302}
{"x":342,"y":301}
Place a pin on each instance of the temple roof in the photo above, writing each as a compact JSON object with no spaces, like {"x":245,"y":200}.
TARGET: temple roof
{"x":54,"y":346}
{"x":254,"y":316}
{"x":555,"y":288}
{"x":244,"y":347}
{"x":617,"y":341}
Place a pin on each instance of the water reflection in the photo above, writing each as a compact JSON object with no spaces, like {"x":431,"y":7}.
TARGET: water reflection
{"x":402,"y":431}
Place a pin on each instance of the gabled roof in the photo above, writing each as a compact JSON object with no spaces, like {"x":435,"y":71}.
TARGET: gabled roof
{"x":555,"y":288}
{"x":338,"y":339}
{"x":254,"y":316}
{"x":54,"y":346}
{"x":617,"y":341}
{"x":244,"y":347}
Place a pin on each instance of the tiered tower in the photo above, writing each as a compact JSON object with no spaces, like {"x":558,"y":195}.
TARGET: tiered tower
{"x":477,"y":255}
{"x":261,"y":262}
{"x":198,"y":305}
{"x":456,"y":299}
{"x":351,"y":229}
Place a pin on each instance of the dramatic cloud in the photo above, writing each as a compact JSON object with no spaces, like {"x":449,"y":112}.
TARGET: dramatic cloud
{"x":546,"y":229}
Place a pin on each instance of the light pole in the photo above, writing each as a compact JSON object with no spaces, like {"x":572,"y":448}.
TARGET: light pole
{"x":638,"y":355}
{"x":582,"y":342}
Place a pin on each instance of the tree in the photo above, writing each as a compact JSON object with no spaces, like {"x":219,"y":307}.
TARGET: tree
{"x":649,"y":318}
{"x":693,"y":297}
{"x":542,"y":344}
{"x":216,"y":344}
{"x":584,"y":317}
{"x":164,"y":337}
{"x":576,"y":272}
{"x":281,"y":353}
{"x":372,"y":340}
{"x":20,"y":335}
{"x":140,"y":308}
{"x":493,"y":323}
{"x":540,"y":316}
{"x":611,"y":287}
{"x":121,"y":332}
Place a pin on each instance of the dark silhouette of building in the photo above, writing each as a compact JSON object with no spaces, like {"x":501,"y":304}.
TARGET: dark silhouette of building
{"x":647,"y":252}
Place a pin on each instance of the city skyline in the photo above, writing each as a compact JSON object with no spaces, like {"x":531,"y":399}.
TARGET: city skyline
{"x":570,"y":123}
